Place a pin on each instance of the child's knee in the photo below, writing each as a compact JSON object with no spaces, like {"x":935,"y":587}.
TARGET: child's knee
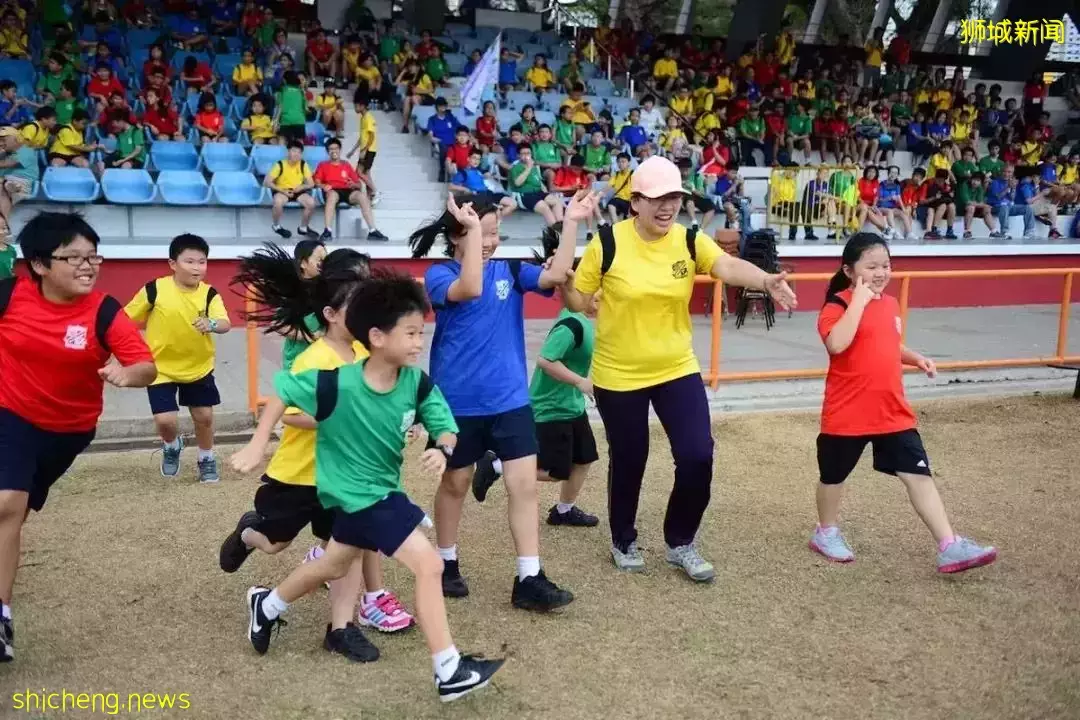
{"x":430,"y":565}
{"x":455,"y":483}
{"x":202,"y":416}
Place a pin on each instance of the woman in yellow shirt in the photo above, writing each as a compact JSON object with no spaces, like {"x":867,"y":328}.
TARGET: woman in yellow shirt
{"x":644,"y":354}
{"x":682,"y":103}
{"x":539,"y":77}
{"x":723,"y":86}
{"x":247,"y":78}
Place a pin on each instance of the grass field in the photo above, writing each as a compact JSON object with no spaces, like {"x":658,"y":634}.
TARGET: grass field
{"x":119,"y":590}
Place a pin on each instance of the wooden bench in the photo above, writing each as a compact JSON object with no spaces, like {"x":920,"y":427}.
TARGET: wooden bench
{"x":1076,"y":391}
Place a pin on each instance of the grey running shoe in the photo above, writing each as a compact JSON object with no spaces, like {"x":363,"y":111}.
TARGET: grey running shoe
{"x":629,"y":561}
{"x":170,"y":459}
{"x":830,"y":542}
{"x":208,"y":472}
{"x":964,"y":554}
{"x":687,"y":558}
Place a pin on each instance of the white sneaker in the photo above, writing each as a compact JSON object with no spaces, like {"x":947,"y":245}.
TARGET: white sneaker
{"x":830,"y":543}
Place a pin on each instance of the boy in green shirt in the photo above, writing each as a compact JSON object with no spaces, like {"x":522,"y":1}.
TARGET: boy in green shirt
{"x":971,"y":201}
{"x":435,"y":67}
{"x":963,"y":168}
{"x":565,"y":131}
{"x":598,"y":157}
{"x":130,"y":143}
{"x":992,"y":165}
{"x":50,"y":83}
{"x":799,"y":126}
{"x":528,"y":185}
{"x":697,"y":200}
{"x":291,"y":111}
{"x":545,"y":153}
{"x":65,"y":104}
{"x":364,"y":412}
{"x":264,"y":34}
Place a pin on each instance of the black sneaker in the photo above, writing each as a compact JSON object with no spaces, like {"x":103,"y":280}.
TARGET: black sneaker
{"x":376,"y":235}
{"x":453,"y":585}
{"x":307,"y":233}
{"x":233,"y":551}
{"x":260,"y":626}
{"x":350,"y":642}
{"x":484,"y":476}
{"x":7,"y":640}
{"x":575,"y":517}
{"x":282,"y":232}
{"x":950,"y":235}
{"x":811,"y":236}
{"x":473,"y":672}
{"x":539,"y":594}
{"x":326,"y":235}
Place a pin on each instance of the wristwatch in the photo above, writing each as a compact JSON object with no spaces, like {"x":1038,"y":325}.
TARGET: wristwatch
{"x":446,"y":450}
{"x":213,"y":325}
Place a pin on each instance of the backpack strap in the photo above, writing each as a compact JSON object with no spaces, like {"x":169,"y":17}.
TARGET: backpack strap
{"x":574,"y":325}
{"x":836,"y":300}
{"x":691,"y":244}
{"x":607,"y":248}
{"x":7,"y":287}
{"x":515,"y":272}
{"x":210,"y":295}
{"x":326,"y":394}
{"x":423,"y":389}
{"x":151,"y":293}
{"x":106,"y":313}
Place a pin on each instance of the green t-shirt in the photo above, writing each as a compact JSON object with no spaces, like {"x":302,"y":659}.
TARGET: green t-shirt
{"x":533,"y":181}
{"x":264,"y":34}
{"x":436,"y":69}
{"x":127,"y":141}
{"x":842,"y":185}
{"x":694,"y":183}
{"x":799,"y":124}
{"x":822,"y":104}
{"x":553,"y":400}
{"x":962,"y":169}
{"x":891,"y":83}
{"x":294,"y":346}
{"x":571,"y":72}
{"x":388,"y":47}
{"x":64,"y":110}
{"x":545,"y":152}
{"x":821,"y":85}
{"x":7,"y":261}
{"x":597,"y":158}
{"x":752,"y":128}
{"x":564,"y":132}
{"x":293,"y":105}
{"x":966,"y":194}
{"x":361,"y":434}
{"x":992,"y":166}
{"x":53,"y":83}
{"x":900,"y":111}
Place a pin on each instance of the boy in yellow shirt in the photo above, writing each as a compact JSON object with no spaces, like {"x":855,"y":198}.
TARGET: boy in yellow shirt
{"x":331,"y":108}
{"x":259,"y":125}
{"x":38,"y":133}
{"x":665,"y":71}
{"x":247,"y":78}
{"x":180,"y":313}
{"x":619,"y":204}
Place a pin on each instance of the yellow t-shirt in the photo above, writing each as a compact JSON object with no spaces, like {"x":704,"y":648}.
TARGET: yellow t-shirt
{"x":351,"y":58}
{"x":402,"y":58}
{"x":1068,"y":174}
{"x":665,"y":67}
{"x":942,"y":98}
{"x":708,"y":121}
{"x":1030,"y":152}
{"x":724,"y":87}
{"x":873,"y":54}
{"x":369,"y":138}
{"x":13,"y":42}
{"x":260,"y":126}
{"x":805,"y":89}
{"x":669,"y":137}
{"x":921,"y":97}
{"x":683,"y":106}
{"x":643,"y":329}
{"x":34,"y":135}
{"x":182,"y":353}
{"x":782,"y":189}
{"x":785,"y":48}
{"x":938,"y":162}
{"x":424,"y":86}
{"x":66,"y":139}
{"x":620,"y":183}
{"x":580,"y":115}
{"x":246,"y":74}
{"x":961,"y":131}
{"x":293,"y":462}
{"x":288,"y":176}
{"x":703,"y":100}
{"x":539,"y":77}
{"x":369,"y":75}
{"x":746,"y":60}
{"x":326,"y":102}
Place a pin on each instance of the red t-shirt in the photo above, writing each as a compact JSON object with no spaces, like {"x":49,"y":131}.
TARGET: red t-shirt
{"x":164,"y":93}
{"x":149,"y":67}
{"x":321,"y":51}
{"x":459,"y":154}
{"x":785,"y":87}
{"x":764,"y":73}
{"x":838,"y":127}
{"x":774,"y":124}
{"x":572,"y":178}
{"x":214,"y":120}
{"x":737,"y":110}
{"x":97,"y":86}
{"x":338,"y":175}
{"x":822,"y":127}
{"x":864,"y":389}
{"x":425,"y":49}
{"x":1044,"y":133}
{"x":1034,"y":92}
{"x":913,"y":194}
{"x":900,"y":50}
{"x":162,"y":122}
{"x":719,"y":154}
{"x":868,"y":190}
{"x":485,"y":129}
{"x":203,"y":75}
{"x":50,"y":357}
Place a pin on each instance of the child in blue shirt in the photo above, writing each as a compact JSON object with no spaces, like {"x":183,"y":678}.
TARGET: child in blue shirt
{"x":632,"y":134}
{"x":14,"y":110}
{"x":471,"y":180}
{"x":478,"y":360}
{"x":442,"y":125}
{"x":508,"y":60}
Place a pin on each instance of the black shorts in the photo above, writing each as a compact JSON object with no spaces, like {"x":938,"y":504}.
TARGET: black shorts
{"x":32,"y":459}
{"x":364,"y":164}
{"x":427,"y":100}
{"x":284,"y":510}
{"x":702,"y":204}
{"x":201,"y":393}
{"x":529,"y":201}
{"x":563,"y":444}
{"x":383,"y":526}
{"x":293,"y":132}
{"x":293,"y":198}
{"x":622,"y":207}
{"x":510,"y":435}
{"x":899,"y":452}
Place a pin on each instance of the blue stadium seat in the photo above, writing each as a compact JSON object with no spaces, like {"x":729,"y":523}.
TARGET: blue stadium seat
{"x":455,"y":62}
{"x":545,"y":117}
{"x":596,"y":102}
{"x":532,"y":50}
{"x":236,"y":108}
{"x":315,"y":154}
{"x":172,"y":155}
{"x":589,"y":71}
{"x":507,"y":118}
{"x":602,"y":86}
{"x":180,"y":56}
{"x":264,"y":157}
{"x":223,"y":66}
{"x":128,"y":187}
{"x":70,"y":184}
{"x":237,"y":188}
{"x":314,"y":131}
{"x":141,"y":38}
{"x":553,"y":100}
{"x":218,"y":157}
{"x":183,"y":187}
{"x":621,"y":105}
{"x":233,"y":43}
{"x":520,"y":98}
{"x":421,"y":115}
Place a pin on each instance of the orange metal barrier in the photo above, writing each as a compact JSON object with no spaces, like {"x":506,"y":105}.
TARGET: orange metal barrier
{"x":713,"y":374}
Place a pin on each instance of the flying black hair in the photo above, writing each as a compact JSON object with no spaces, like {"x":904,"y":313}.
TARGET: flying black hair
{"x":447,"y":227}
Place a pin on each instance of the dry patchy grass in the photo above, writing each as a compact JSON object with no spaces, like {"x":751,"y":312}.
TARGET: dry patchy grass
{"x":119,"y":590}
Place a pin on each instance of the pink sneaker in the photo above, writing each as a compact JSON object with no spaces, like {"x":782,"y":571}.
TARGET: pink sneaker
{"x":386,"y":614}
{"x":314,"y":554}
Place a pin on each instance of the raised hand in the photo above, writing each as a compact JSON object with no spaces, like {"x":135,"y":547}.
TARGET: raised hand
{"x":862,"y":294}
{"x":582,"y":206}
{"x":781,"y":293}
{"x":464,"y":214}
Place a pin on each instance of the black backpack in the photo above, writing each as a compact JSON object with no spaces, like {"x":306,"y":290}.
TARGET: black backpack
{"x":574,"y":325}
{"x":326,"y":393}
{"x":151,"y":295}
{"x":106,"y":312}
{"x":607,"y":246}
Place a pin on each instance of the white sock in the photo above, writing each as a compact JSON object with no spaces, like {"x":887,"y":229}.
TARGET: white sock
{"x":563,"y":508}
{"x":5,"y":611}
{"x":245,"y":534}
{"x":273,"y":605}
{"x":275,"y":226}
{"x":206,"y":454}
{"x":370,"y":597}
{"x":175,"y":444}
{"x":446,"y":662}
{"x":528,"y":566}
{"x":448,"y":553}
{"x":497,"y":465}
{"x":303,"y":228}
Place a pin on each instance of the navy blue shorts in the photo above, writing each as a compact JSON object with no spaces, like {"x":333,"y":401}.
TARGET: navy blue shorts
{"x":510,"y":435}
{"x":201,"y":393}
{"x":383,"y":526}
{"x":32,"y":459}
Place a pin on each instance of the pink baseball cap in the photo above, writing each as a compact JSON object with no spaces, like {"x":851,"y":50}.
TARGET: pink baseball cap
{"x":656,"y":177}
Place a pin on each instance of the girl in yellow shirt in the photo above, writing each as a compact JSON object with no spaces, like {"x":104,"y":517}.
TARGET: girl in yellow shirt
{"x":539,"y":76}
{"x":683,"y":104}
{"x":723,"y":87}
{"x":673,"y":140}
{"x":404,"y":55}
{"x":247,"y":78}
{"x":258,"y":125}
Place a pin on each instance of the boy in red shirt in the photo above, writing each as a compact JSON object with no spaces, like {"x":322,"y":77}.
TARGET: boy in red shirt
{"x":158,"y":82}
{"x":342,"y":184}
{"x":117,"y":106}
{"x":457,"y":155}
{"x":775,"y":128}
{"x":865,"y":404}
{"x":102,"y":85}
{"x":56,"y":338}
{"x":841,"y":132}
{"x":162,"y":119}
{"x":197,"y":75}
{"x":321,"y":56}
{"x":824,"y":137}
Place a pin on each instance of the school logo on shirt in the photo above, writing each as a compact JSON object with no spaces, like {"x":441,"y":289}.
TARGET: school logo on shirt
{"x":679,"y":270}
{"x":899,"y":326}
{"x":408,"y":418}
{"x":75,"y":337}
{"x":502,"y":289}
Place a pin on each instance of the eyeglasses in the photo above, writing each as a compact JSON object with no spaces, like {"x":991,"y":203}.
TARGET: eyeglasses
{"x":77,"y":260}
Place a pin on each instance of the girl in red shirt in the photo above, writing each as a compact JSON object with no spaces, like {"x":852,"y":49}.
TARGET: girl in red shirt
{"x":1035,"y":92}
{"x":209,"y":121}
{"x":157,"y":60}
{"x":163,"y":120}
{"x":487,"y":128}
{"x":868,"y":186}
{"x":102,"y":85}
{"x":865,"y":404}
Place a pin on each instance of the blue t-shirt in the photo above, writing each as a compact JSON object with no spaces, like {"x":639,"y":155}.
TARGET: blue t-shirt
{"x":1025,"y":192}
{"x":443,"y":128}
{"x":469,"y":67}
{"x":511,"y":151}
{"x":224,"y":13}
{"x":471,"y":178}
{"x":723,"y":184}
{"x":915,"y":133}
{"x":20,"y":116}
{"x":112,"y":38}
{"x":633,"y":135}
{"x":889,"y":194}
{"x":508,"y":72}
{"x":941,"y":129}
{"x":478,"y":350}
{"x":753,"y":92}
{"x":1048,"y":173}
{"x":998,"y":192}
{"x":187,"y":26}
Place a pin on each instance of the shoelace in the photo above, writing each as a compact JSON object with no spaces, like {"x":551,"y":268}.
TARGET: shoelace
{"x":690,"y":556}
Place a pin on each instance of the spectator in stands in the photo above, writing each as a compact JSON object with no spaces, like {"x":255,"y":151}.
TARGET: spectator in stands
{"x":571,"y":74}
{"x":130,"y":150}
{"x":1031,"y":149}
{"x":137,"y":14}
{"x":965,"y":167}
{"x":457,"y":154}
{"x":565,"y":132}
{"x":320,"y":55}
{"x":70,"y":146}
{"x":191,"y":32}
{"x":633,"y":135}
{"x":799,"y":130}
{"x":729,"y":195}
{"x":697,"y":199}
{"x":1069,"y":179}
{"x":117,"y":104}
{"x":14,"y":110}
{"x":290,"y":110}
{"x":940,"y":206}
{"x":159,"y":85}
{"x":371,"y":79}
{"x":618,"y":204}
{"x":156,"y":61}
{"x":581,"y":111}
{"x":436,"y":68}
{"x":572,"y":178}
{"x":56,"y":72}
{"x":652,"y":119}
{"x":508,"y":60}
{"x":963,"y":132}
{"x":673,"y":141}
{"x":487,"y":128}
{"x":751,"y":131}
{"x":471,"y":180}
{"x":197,"y":75}
{"x":35,"y":135}
{"x":161,"y":118}
{"x":367,"y":139}
{"x":942,"y":160}
{"x":1001,"y":196}
{"x":13,"y":40}
{"x":890,"y":202}
{"x":875,"y":53}
{"x":290,"y":180}
{"x":869,"y":187}
{"x":971,"y":202}
{"x":105,"y":32}
{"x":351,"y":52}
{"x":331,"y":108}
{"x":247,"y":78}
{"x":597,"y":157}
{"x":530,"y":128}
{"x":471,"y":64}
{"x":1035,"y":92}
{"x":264,"y":32}
{"x":539,"y":77}
{"x":545,"y":153}
{"x":529,"y":190}
{"x":427,"y":46}
{"x":18,"y":171}
{"x":681,"y":104}
{"x":278,"y":49}
{"x":1028,"y":192}
{"x":419,"y":91}
{"x":209,"y":121}
{"x":442,"y":131}
{"x":342,"y":185}
{"x":65,"y":104}
{"x":224,"y":18}
{"x":404,"y":54}
{"x":259,"y":125}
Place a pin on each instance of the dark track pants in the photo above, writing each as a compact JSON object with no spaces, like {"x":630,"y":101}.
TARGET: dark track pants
{"x":683,"y":410}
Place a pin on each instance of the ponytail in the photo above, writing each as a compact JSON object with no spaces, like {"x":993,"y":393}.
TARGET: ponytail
{"x":838,"y":283}
{"x":447,"y":226}
{"x":856,"y":245}
{"x":281,"y":296}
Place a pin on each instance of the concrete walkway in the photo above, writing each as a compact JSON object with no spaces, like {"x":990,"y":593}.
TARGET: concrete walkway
{"x":945,"y":334}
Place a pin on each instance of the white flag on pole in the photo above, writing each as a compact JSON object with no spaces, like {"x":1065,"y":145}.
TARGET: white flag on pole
{"x":483,"y":76}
